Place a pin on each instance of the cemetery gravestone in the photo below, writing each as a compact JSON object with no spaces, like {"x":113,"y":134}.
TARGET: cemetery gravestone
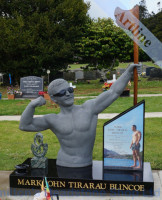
{"x":79,"y":75}
{"x":156,"y":73}
{"x":148,"y":70}
{"x":90,"y":75}
{"x":30,"y":86}
{"x":69,"y":76}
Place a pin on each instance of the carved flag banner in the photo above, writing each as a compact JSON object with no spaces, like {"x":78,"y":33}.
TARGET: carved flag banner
{"x":131,"y":25}
{"x":139,"y":34}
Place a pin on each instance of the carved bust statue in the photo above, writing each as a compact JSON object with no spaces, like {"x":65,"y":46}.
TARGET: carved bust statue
{"x":75,"y":125}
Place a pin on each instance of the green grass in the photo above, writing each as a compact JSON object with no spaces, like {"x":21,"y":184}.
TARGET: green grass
{"x":150,"y":64}
{"x":16,"y":107}
{"x":153,"y":104}
{"x":125,"y":65}
{"x":121,"y":65}
{"x":76,"y":66}
{"x":95,"y":88}
{"x":15,"y":144}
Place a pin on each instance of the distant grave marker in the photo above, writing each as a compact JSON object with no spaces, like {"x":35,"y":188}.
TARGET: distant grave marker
{"x":30,"y":86}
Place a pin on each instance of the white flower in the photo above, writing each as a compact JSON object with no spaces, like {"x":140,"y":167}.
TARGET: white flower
{"x":40,"y":196}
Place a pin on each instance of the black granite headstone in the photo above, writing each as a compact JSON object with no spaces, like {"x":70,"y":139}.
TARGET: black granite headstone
{"x":148,"y":70}
{"x":156,"y":73}
{"x":91,"y":180}
{"x":30,"y":86}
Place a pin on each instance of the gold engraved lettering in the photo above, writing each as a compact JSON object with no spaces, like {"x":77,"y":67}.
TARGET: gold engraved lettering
{"x":103,"y":188}
{"x":20,"y":182}
{"x":71,"y":184}
{"x":142,"y":188}
{"x":33,"y":182}
{"x":56,"y":183}
{"x":125,"y":187}
{"x":86,"y":186}
{"x":62,"y":184}
{"x":98,"y":186}
{"x":91,"y":185}
{"x":112,"y":186}
{"x":38,"y":182}
{"x":136,"y":187}
{"x":27,"y":182}
{"x":79,"y":185}
{"x":50,"y":183}
{"x":130,"y":187}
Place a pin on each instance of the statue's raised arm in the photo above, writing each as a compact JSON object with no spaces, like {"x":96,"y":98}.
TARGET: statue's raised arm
{"x":28,"y":123}
{"x":108,"y":97}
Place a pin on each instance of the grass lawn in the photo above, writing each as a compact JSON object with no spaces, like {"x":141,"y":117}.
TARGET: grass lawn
{"x":16,"y":107}
{"x":76,"y":66}
{"x":15,"y":144}
{"x":121,"y":65}
{"x":95,"y":88}
{"x":125,"y":65}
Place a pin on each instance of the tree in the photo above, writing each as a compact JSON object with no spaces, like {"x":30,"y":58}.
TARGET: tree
{"x":103,"y":44}
{"x":36,"y":35}
{"x":154,"y":24}
{"x":159,"y":5}
{"x":143,"y":11}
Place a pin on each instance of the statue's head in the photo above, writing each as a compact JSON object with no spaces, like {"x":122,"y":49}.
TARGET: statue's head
{"x":61,"y":93}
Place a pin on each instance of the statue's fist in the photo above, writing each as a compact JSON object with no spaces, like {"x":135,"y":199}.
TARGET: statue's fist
{"x":132,"y":66}
{"x":40,"y":101}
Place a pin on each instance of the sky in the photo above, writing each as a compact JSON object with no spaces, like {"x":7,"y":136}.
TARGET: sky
{"x":105,"y":8}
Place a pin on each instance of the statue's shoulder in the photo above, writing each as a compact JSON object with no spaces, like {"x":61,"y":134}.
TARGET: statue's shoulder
{"x":50,"y":117}
{"x":89,"y":103}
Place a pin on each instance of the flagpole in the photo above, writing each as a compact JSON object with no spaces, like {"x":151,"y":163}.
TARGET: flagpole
{"x":135,"y":74}
{"x":135,"y":12}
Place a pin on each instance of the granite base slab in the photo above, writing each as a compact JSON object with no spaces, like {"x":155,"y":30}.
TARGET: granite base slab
{"x":91,"y":180}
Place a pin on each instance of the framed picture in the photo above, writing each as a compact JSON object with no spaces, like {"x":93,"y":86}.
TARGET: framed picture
{"x":124,"y":140}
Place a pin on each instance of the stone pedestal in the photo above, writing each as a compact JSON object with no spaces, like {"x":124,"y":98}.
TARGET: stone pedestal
{"x":39,"y":163}
{"x":91,"y":180}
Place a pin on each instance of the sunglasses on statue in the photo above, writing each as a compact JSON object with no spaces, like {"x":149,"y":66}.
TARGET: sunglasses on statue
{"x":63,"y":92}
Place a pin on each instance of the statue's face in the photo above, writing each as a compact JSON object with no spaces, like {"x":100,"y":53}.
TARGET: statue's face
{"x":63,"y":95}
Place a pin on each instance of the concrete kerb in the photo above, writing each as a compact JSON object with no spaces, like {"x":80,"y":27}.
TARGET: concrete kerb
{"x":100,"y":116}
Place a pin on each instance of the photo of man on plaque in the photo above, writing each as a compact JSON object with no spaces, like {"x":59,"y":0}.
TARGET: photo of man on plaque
{"x":123,"y":140}
{"x":135,"y":146}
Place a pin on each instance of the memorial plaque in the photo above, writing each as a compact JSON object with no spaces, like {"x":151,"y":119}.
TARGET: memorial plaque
{"x":30,"y":86}
{"x":124,"y":140}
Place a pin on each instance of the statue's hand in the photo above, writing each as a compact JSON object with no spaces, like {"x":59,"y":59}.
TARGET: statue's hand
{"x":40,"y":101}
{"x":132,"y":66}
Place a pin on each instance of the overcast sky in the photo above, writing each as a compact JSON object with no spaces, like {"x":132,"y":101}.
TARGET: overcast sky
{"x":105,"y":8}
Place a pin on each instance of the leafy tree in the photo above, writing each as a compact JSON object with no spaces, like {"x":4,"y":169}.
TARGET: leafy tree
{"x":36,"y":35}
{"x":103,"y":44}
{"x":154,"y":24}
{"x":143,"y":11}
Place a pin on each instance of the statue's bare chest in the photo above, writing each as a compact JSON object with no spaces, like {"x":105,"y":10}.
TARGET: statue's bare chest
{"x":78,"y":121}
